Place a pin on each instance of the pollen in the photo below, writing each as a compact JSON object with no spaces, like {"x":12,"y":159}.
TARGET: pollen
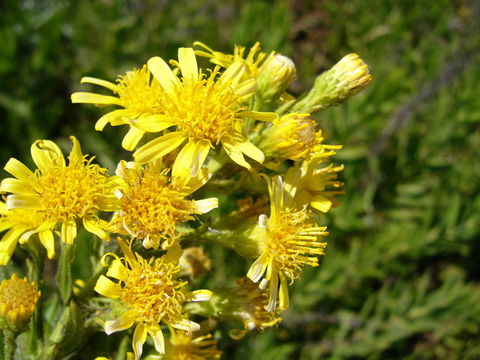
{"x":18,"y":299}
{"x":70,"y":191}
{"x":292,"y":242}
{"x":139,"y":92}
{"x":152,"y":292}
{"x":205,"y":109}
{"x":152,"y":207}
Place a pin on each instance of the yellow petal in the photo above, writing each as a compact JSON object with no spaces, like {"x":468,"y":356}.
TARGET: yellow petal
{"x":46,"y":153}
{"x":205,"y":205}
{"x":186,"y":325}
{"x":199,"y":295}
{"x":257,"y":269}
{"x":272,"y":299}
{"x":162,"y":72}
{"x":139,"y":337}
{"x":131,"y":139}
{"x":108,"y":288}
{"x":196,"y":182}
{"x":113,"y":117}
{"x":321,"y":203}
{"x":234,"y":153}
{"x":158,"y":147}
{"x":69,"y":231}
{"x":8,"y":243}
{"x":191,"y":158}
{"x":120,"y":324}
{"x":258,"y":115}
{"x":283,"y":294}
{"x":76,"y":152}
{"x":92,"y":98}
{"x":91,"y":224}
{"x":16,"y":186}
{"x":158,"y":340}
{"x":153,"y":123}
{"x":23,"y":202}
{"x":117,"y":270}
{"x":188,"y":63}
{"x":106,"y":84}
{"x":17,"y":169}
{"x":48,"y":241}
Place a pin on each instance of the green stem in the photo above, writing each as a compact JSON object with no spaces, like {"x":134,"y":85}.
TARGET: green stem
{"x":9,"y":344}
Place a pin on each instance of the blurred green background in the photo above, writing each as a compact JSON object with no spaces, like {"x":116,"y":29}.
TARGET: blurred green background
{"x":401,"y":276}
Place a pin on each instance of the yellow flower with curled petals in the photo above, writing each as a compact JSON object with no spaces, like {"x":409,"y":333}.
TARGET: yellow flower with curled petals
{"x":313,"y":185}
{"x":151,"y":204}
{"x":184,"y":346}
{"x":253,"y":60}
{"x":140,"y":96}
{"x":59,"y":193}
{"x":20,"y":225}
{"x":151,"y":294}
{"x":287,"y":240}
{"x":205,"y":111}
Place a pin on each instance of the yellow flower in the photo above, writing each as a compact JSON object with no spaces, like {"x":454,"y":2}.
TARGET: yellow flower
{"x":140,"y":96}
{"x":311,"y":184}
{"x":18,"y":300}
{"x":21,"y":224}
{"x":253,"y":60}
{"x":151,"y":204}
{"x":150,"y":293}
{"x":58,"y":193}
{"x":206,"y":111}
{"x":183,"y":346}
{"x":293,"y":137}
{"x":288,"y":240}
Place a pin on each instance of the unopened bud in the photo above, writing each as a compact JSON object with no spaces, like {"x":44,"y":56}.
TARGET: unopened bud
{"x":346,"y":78}
{"x":18,"y":300}
{"x":276,"y":73}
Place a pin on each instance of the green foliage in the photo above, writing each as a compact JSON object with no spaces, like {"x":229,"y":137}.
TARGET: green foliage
{"x":401,"y":277}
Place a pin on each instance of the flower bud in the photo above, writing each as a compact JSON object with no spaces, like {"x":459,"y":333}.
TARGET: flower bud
{"x":276,"y":73}
{"x":18,"y":300}
{"x":194,"y":262}
{"x":346,"y":78}
{"x":292,"y":137}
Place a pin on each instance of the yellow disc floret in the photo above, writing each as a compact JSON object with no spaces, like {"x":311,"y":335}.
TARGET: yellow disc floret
{"x":152,"y":207}
{"x":205,"y":109}
{"x":18,"y":299}
{"x":70,"y":191}
{"x":152,"y":292}
{"x":139,"y":92}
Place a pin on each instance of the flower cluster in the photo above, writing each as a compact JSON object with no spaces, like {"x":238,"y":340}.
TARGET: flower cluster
{"x":199,"y":139}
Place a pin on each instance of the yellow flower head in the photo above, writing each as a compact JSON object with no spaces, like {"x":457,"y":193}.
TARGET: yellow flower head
{"x":311,"y":184}
{"x":205,"y":111}
{"x":18,"y":299}
{"x":293,"y":137}
{"x":252,"y":61}
{"x":151,"y":204}
{"x":288,"y":240}
{"x":21,"y":224}
{"x":140,"y":96}
{"x":150,"y":293}
{"x":58,"y":192}
{"x":183,"y":346}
